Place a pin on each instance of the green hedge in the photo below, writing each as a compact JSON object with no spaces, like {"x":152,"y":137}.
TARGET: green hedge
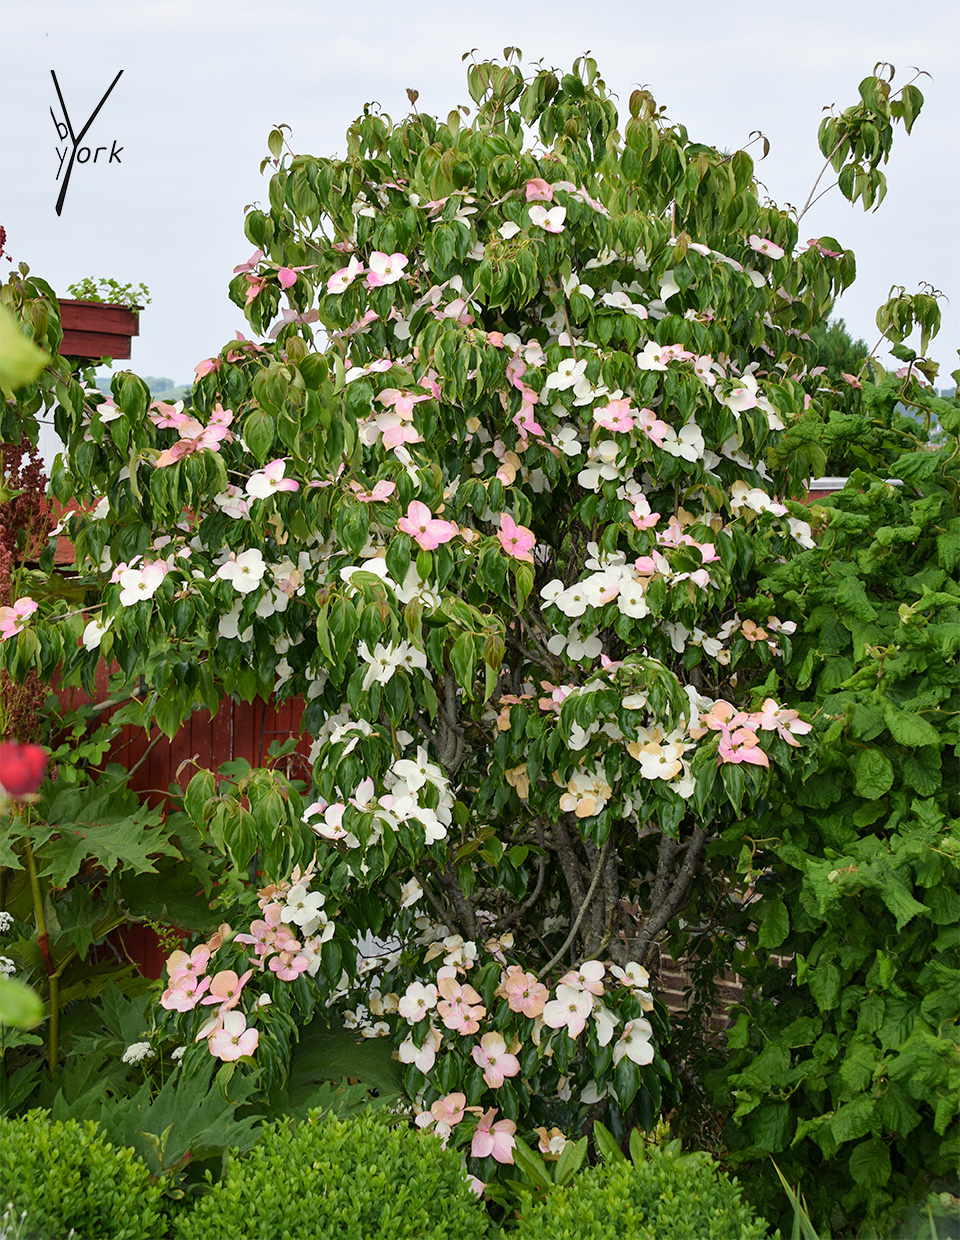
{"x":353,"y":1179}
{"x":666,"y":1196}
{"x":64,"y":1175}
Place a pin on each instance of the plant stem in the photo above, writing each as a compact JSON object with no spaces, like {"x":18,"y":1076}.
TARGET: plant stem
{"x":43,"y":942}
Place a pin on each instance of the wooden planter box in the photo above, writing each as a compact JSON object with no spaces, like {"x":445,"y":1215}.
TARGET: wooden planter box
{"x":93,"y":329}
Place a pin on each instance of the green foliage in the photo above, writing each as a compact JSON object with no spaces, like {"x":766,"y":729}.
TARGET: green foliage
{"x":662,"y":1193}
{"x":110,"y":291}
{"x":20,"y":359}
{"x":844,"y":1060}
{"x":191,"y":1119}
{"x":65,"y":1175}
{"x":528,"y":449}
{"x":353,"y":1179}
{"x":20,"y":1005}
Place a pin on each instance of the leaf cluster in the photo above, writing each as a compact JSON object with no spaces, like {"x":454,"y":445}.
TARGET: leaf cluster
{"x":844,"y":1056}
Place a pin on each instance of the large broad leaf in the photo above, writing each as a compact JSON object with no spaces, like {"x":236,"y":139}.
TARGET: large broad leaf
{"x":325,"y":1054}
{"x":171,"y":896}
{"x":189,"y":1118}
{"x":129,"y":843}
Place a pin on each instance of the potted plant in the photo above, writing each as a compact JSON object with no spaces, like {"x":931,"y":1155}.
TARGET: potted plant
{"x":101,"y":319}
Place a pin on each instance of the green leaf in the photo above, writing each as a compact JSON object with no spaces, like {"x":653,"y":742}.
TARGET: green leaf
{"x":870,"y":1164}
{"x":571,"y":1159}
{"x":325,"y":1054}
{"x":909,"y":729}
{"x":21,"y":361}
{"x":775,"y":923}
{"x":189,"y":1117}
{"x":626,"y":1081}
{"x":130,"y":843}
{"x":874,"y":774}
{"x":824,"y":984}
{"x":258,"y":432}
{"x":20,"y":1005}
{"x":606,"y":1144}
{"x":853,"y":1119}
{"x":531,"y":1165}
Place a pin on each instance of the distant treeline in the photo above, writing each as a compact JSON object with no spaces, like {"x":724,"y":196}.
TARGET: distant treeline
{"x":160,"y":389}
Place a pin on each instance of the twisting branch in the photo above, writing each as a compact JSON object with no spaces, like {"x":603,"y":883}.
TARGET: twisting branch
{"x":678,"y":891}
{"x":438,"y":907}
{"x":569,"y":862}
{"x":421,"y":722}
{"x":449,"y":732}
{"x":583,"y":907}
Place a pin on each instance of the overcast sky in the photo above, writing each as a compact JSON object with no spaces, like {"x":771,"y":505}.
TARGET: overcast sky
{"x":204,"y":81}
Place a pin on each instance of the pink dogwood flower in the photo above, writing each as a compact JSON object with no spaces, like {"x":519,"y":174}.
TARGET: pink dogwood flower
{"x":523,"y":992}
{"x":550,"y":221}
{"x":234,"y":1039}
{"x":742,"y":746}
{"x":494,"y":1138}
{"x":615,"y":416}
{"x":426,"y":530}
{"x":569,"y":1010}
{"x":641,"y":516}
{"x":180,"y":963}
{"x":270,"y":479}
{"x":12,"y":618}
{"x":417,"y":1001}
{"x":763,"y":245}
{"x":588,"y":977}
{"x":194,"y":436}
{"x":515,"y":539}
{"x":381,"y":491}
{"x":787,"y":723}
{"x":343,"y":278}
{"x":422,"y":1057}
{"x":635,"y":1042}
{"x":449,"y":1110}
{"x":460,"y":1007}
{"x":251,"y":262}
{"x":183,"y":993}
{"x":225,"y":988}
{"x":654,"y":429}
{"x":539,"y":190}
{"x":497,"y":1063}
{"x":385,"y":269}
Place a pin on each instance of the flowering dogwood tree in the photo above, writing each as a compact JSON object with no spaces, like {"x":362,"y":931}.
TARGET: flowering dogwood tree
{"x":528,"y":414}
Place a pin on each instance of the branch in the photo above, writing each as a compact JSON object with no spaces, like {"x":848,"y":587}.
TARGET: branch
{"x":810,"y":199}
{"x":143,"y":757}
{"x":449,"y":732}
{"x":438,"y":907}
{"x":583,"y":907}
{"x":421,"y":722}
{"x":568,"y":862}
{"x":679,"y":890}
{"x":465,"y":910}
{"x":510,"y":919}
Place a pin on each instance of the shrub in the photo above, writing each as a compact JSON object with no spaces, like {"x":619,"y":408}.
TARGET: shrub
{"x":352,"y":1178}
{"x":665,"y":1194}
{"x":63,"y":1175}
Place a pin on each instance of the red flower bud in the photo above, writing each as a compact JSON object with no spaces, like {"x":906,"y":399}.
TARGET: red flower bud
{"x":22,"y":768}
